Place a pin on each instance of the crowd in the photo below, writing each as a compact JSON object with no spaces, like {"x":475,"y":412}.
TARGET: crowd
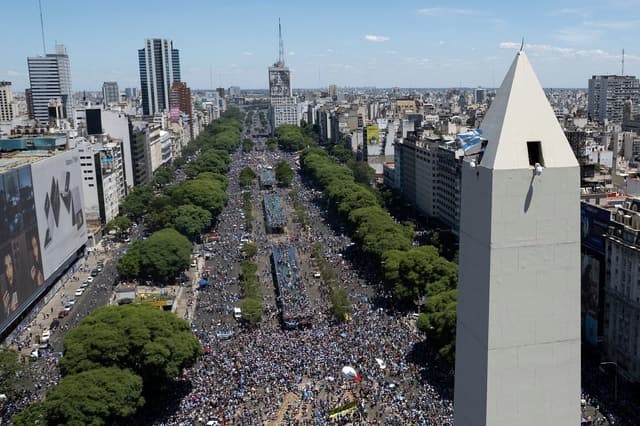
{"x":268,"y":375}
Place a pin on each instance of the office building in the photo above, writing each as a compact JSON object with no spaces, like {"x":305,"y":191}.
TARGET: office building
{"x":159,"y":68}
{"x":180,"y":101}
{"x":6,"y":101}
{"x":110,"y":93}
{"x":607,"y":95}
{"x":480,"y":95}
{"x":621,"y":309}
{"x":518,"y":322}
{"x":50,"y":80}
{"x":283,"y":105}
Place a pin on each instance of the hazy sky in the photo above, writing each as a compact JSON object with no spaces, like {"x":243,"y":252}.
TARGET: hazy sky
{"x":406,"y":43}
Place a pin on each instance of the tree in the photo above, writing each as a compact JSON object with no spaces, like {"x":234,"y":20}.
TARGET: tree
{"x":119,"y":224}
{"x":137,"y":201}
{"x":249,"y":249}
{"x":292,"y":138}
{"x":247,"y":145}
{"x":164,"y":255}
{"x":95,"y":397}
{"x":9,"y":369}
{"x":340,"y":306}
{"x":129,"y":265}
{"x":284,"y":174}
{"x":191,"y":220}
{"x":205,"y":193}
{"x":152,"y":343}
{"x":362,"y":172}
{"x":211,"y":160}
{"x":271,"y":143}
{"x":252,"y":310}
{"x":341,"y":152}
{"x":247,"y":175}
{"x":163,"y":176}
{"x":439,"y":323}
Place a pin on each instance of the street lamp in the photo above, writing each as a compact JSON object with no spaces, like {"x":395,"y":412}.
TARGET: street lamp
{"x":615,"y":379}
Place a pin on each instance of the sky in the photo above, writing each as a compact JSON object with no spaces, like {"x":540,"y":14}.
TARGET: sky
{"x":350,"y":43}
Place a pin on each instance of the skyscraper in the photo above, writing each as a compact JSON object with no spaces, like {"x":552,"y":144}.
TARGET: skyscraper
{"x":110,"y":93}
{"x":518,"y":324}
{"x":6,"y":101}
{"x":159,"y":67}
{"x":180,"y":98}
{"x":283,"y":104}
{"x":608,"y":93}
{"x":50,"y":80}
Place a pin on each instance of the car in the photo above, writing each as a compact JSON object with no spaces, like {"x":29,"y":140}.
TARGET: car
{"x":84,"y":284}
{"x":34,"y":354}
{"x":63,"y":314}
{"x":99,"y":268}
{"x":193,"y":263}
{"x":67,"y":308}
{"x":316,"y":274}
{"x":237,"y":313}
{"x":94,"y":273}
{"x":79,"y":292}
{"x":72,"y":302}
{"x":89,"y":279}
{"x":46,"y":334}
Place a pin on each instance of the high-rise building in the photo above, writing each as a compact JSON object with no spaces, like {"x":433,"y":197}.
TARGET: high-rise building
{"x":50,"y":80}
{"x":518,"y":323}
{"x":607,"y":95}
{"x":6,"y":101}
{"x":29,"y":100}
{"x":110,"y":93}
{"x":283,"y":104}
{"x":159,"y":68}
{"x":480,"y":95}
{"x":180,"y":99}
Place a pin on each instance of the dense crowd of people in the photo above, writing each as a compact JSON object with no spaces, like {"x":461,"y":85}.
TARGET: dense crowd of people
{"x":269,"y":375}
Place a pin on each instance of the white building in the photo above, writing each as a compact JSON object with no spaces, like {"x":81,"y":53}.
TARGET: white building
{"x":50,"y":80}
{"x":518,"y":323}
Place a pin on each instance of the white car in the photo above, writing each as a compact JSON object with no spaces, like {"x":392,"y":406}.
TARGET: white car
{"x":79,"y":292}
{"x":72,"y":302}
{"x":46,"y":334}
{"x":89,"y":279}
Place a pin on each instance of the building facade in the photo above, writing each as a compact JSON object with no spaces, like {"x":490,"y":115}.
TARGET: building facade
{"x":110,"y":93}
{"x":622,"y":293}
{"x":607,"y":95}
{"x":50,"y":80}
{"x":6,"y":101}
{"x":159,"y":68}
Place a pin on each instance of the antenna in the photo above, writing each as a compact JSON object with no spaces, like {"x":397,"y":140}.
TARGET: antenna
{"x":522,"y":44}
{"x":622,"y":62}
{"x":44,"y":46}
{"x":280,"y":45}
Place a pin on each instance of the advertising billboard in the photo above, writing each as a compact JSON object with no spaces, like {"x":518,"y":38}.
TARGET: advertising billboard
{"x":21,"y":272}
{"x":59,"y":208}
{"x":594,"y":222}
{"x":279,"y":82}
{"x":592,"y":281}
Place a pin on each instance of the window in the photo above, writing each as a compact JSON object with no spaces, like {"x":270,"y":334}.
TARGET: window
{"x":534,"y":149}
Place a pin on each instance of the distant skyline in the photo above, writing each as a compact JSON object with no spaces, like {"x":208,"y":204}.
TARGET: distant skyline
{"x":348,"y":43}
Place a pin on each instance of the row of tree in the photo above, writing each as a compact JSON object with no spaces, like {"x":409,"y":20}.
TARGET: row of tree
{"x":251,"y":290}
{"x":180,"y":213}
{"x":115,"y":361}
{"x":293,"y":138}
{"x":417,"y":276}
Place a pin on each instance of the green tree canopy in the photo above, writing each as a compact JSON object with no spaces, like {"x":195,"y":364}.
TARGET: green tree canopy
{"x":362,"y":172}
{"x":292,"y":138}
{"x":247,"y":175}
{"x":164,"y":255}
{"x":137,"y":201}
{"x":252,"y":310}
{"x":211,"y":160}
{"x":439,"y":323}
{"x":418,"y":272}
{"x":119,"y":224}
{"x":129,"y":265}
{"x":152,"y":343}
{"x":163,"y":176}
{"x":340,"y":306}
{"x":284,"y":174}
{"x":99,"y":396}
{"x":191,"y":220}
{"x":205,"y":193}
{"x":9,"y":369}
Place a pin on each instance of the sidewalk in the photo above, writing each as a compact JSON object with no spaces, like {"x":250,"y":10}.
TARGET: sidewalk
{"x":64,"y":293}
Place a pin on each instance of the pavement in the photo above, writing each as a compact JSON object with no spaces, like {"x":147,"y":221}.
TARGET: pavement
{"x":60,"y":295}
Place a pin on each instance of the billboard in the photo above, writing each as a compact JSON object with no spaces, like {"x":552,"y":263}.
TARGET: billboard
{"x":279,"y":82}
{"x":21,"y":272}
{"x":594,"y":222}
{"x":59,"y":208}
{"x":592,"y":282}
